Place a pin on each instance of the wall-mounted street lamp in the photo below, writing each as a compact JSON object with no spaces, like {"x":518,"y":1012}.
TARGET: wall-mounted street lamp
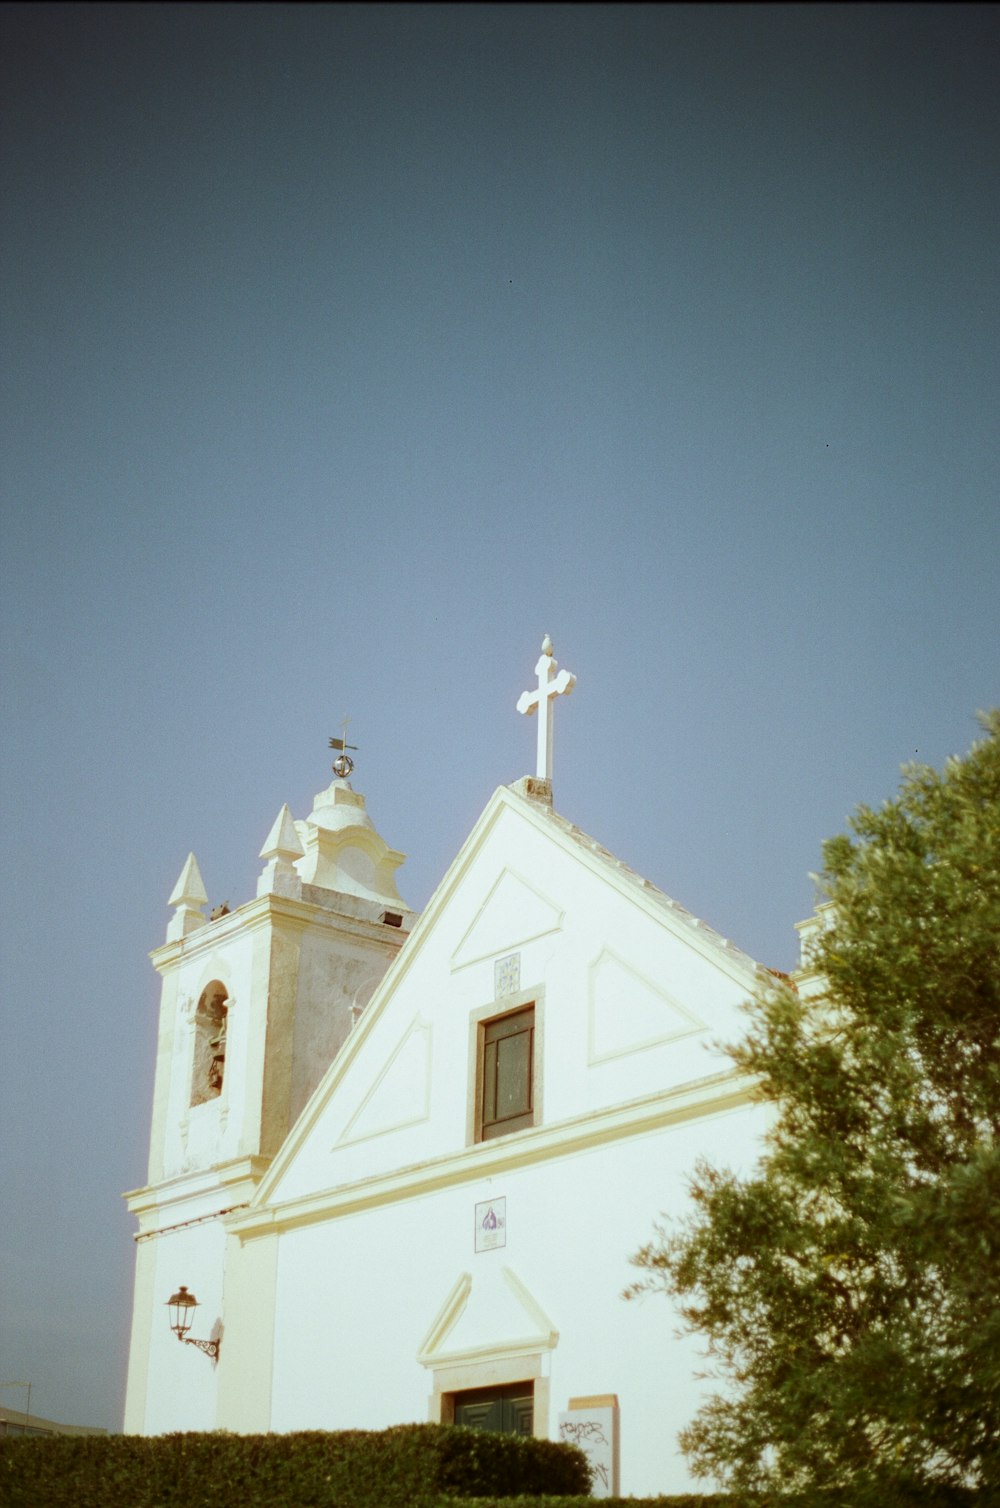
{"x":182,"y":1306}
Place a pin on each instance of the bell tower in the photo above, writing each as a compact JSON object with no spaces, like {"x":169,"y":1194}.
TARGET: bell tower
{"x":255,"y":1004}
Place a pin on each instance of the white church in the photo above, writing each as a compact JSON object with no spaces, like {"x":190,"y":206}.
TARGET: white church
{"x":398,"y":1164}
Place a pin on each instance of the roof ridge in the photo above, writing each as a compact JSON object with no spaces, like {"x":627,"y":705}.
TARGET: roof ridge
{"x":584,"y":840}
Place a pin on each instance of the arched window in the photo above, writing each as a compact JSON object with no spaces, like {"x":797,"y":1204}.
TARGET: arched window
{"x":209,"y":1043}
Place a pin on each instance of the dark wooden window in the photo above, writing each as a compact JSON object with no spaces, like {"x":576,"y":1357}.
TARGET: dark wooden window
{"x":505,"y":1411}
{"x":507,"y":1073}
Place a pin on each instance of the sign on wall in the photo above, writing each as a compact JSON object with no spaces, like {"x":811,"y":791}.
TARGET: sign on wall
{"x":491,"y":1224}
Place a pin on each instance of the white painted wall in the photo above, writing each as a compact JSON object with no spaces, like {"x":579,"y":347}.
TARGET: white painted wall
{"x":356,"y":1297}
{"x":630,"y":999}
{"x":330,"y":1285}
{"x":183,"y":1386}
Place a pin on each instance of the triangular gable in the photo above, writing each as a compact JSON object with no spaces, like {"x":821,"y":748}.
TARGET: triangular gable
{"x":629,"y":1011}
{"x":493,"y":1314}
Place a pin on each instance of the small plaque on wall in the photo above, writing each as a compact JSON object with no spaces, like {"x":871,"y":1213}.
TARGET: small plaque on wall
{"x":491,"y":1224}
{"x":507,"y":975}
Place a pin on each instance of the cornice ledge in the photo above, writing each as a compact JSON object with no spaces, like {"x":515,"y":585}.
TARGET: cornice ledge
{"x":720,"y":1092}
{"x":267,"y":910}
{"x":528,"y":1345}
{"x":186,"y":1187}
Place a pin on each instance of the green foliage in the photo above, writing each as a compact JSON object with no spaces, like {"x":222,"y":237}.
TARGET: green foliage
{"x":930,"y":1499}
{"x":681,"y":1500}
{"x":411,"y":1466}
{"x":850,"y":1290}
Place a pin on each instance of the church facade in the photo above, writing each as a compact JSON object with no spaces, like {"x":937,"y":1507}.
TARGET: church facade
{"x":401,"y":1162}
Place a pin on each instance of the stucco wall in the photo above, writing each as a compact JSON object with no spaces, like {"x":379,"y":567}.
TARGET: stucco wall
{"x":355,"y":1298}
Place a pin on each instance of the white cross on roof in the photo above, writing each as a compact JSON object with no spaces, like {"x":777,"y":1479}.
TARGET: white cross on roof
{"x":550,"y":685}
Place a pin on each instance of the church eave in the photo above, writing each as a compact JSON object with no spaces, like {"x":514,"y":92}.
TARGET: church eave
{"x":195,"y":1194}
{"x":740,"y":967}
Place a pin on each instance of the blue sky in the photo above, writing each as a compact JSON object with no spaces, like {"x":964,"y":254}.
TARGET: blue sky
{"x":347,"y":351}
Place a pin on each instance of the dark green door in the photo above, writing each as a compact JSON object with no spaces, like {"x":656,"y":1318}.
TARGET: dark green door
{"x":506,"y":1411}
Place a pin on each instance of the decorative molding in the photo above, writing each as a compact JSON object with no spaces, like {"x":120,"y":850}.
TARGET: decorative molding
{"x":534,"y":1309}
{"x":541,"y":917}
{"x":168,"y":1230}
{"x":401,"y":1114}
{"x":188,"y":1195}
{"x":677,"y":1020}
{"x":712,"y":1096}
{"x":446,"y":1318}
{"x":272,"y":910}
{"x":504,"y":802}
{"x":541,"y":1336}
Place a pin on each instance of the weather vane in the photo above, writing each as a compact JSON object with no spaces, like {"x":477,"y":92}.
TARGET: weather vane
{"x":343,"y":764}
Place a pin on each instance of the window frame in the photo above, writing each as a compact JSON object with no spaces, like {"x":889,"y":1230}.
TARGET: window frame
{"x":497,"y":1010}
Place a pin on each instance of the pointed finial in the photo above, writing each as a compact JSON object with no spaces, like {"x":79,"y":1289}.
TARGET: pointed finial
{"x":546,"y":645}
{"x":283,"y":841}
{"x":188,"y":895}
{"x":282,"y":847}
{"x":190,"y":888}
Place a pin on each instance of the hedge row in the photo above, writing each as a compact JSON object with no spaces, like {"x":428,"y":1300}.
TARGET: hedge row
{"x":946,"y":1498}
{"x":410,"y":1466}
{"x":677,"y":1500}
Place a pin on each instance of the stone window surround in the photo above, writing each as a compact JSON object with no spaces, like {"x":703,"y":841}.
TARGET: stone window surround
{"x":506,"y":1006}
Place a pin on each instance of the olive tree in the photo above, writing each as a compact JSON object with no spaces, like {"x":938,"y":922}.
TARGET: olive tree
{"x":849,"y":1289}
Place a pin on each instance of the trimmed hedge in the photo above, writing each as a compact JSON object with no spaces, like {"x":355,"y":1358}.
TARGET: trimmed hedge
{"x":678,"y":1500}
{"x":410,"y":1466}
{"x":945,"y":1498}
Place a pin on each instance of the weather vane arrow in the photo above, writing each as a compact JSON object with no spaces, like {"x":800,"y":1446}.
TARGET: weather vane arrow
{"x":343,"y":764}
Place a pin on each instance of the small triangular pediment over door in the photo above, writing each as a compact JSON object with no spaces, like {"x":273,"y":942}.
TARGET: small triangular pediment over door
{"x":492,"y":1315}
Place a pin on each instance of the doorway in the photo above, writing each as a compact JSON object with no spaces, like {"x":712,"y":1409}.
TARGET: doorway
{"x":509,"y":1410}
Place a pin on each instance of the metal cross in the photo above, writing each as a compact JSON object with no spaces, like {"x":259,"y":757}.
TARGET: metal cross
{"x":550,"y":685}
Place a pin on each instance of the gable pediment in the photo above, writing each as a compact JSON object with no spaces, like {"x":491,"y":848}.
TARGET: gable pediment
{"x":632,"y":986}
{"x":493,"y":1313}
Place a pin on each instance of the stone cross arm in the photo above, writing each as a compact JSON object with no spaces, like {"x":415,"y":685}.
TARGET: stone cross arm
{"x":563,"y":683}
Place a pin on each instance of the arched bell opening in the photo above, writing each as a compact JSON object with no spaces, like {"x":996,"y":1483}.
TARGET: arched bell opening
{"x":210,"y":1022}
